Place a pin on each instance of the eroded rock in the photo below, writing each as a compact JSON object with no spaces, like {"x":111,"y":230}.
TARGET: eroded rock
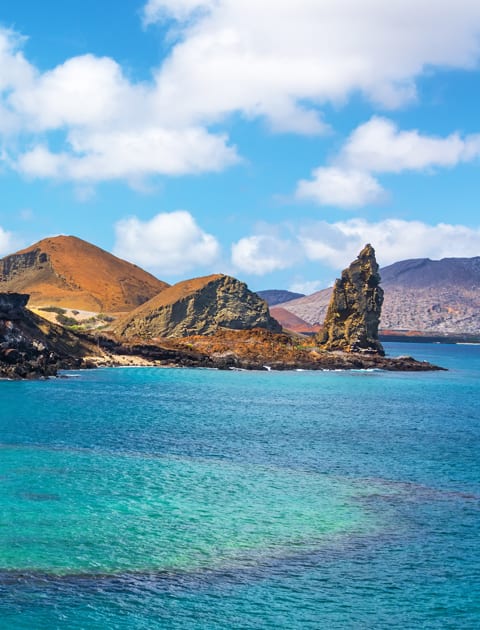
{"x":199,"y":306}
{"x":353,"y":315}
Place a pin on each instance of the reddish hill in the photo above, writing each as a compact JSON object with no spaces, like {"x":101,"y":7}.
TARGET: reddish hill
{"x":290,"y":321}
{"x":68,"y":272}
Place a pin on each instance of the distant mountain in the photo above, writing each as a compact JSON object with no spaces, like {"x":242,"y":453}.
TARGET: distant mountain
{"x":311,"y":308}
{"x":423,"y":273}
{"x":68,"y":272}
{"x":432,"y":295}
{"x":420,"y":295}
{"x":278,"y":296}
{"x":198,"y":307}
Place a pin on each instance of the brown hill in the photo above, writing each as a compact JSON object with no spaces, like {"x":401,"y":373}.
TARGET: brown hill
{"x":68,"y":272}
{"x":292,"y":322}
{"x":311,"y":308}
{"x":198,"y":307}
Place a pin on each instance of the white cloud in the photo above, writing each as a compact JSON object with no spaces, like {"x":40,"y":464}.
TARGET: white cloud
{"x":130,"y":155}
{"x":111,"y":127}
{"x":378,"y":146}
{"x":282,"y":59}
{"x":9,"y":242}
{"x":336,"y":244}
{"x":170,"y":243}
{"x":263,"y":253}
{"x":15,"y":70}
{"x":276,"y":59}
{"x":346,"y":188}
{"x":307,"y":287}
{"x":156,"y":10}
{"x":84,"y":90}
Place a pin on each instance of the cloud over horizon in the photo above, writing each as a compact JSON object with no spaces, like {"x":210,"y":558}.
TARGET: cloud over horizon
{"x":9,"y":242}
{"x":336,"y":244}
{"x":170,"y":243}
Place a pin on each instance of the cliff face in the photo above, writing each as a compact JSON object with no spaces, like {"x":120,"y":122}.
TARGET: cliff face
{"x":31,"y":347}
{"x":68,"y":272}
{"x":354,"y":311}
{"x":199,"y":307}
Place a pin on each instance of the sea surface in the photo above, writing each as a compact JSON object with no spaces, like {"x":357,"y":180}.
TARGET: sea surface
{"x":149,"y":498}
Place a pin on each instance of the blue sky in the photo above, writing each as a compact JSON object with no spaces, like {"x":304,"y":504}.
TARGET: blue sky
{"x":269,"y":140}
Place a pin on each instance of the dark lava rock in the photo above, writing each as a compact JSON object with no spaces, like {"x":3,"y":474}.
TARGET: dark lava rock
{"x":32,"y":347}
{"x":353,"y":315}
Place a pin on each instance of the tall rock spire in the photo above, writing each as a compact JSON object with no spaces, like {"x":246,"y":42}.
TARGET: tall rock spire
{"x":353,"y":315}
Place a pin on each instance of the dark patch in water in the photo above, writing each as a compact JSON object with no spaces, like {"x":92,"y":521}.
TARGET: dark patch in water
{"x":39,"y":496}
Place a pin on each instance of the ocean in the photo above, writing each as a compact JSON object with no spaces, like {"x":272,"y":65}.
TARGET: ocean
{"x":151,"y":498}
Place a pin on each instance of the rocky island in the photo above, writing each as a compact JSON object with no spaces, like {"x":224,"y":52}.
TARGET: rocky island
{"x":214,"y":321}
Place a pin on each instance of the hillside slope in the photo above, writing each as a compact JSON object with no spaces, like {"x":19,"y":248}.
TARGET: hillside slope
{"x":198,"y":307}
{"x":68,"y":272}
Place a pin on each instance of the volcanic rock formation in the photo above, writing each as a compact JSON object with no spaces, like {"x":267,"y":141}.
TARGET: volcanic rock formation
{"x":198,"y":307}
{"x":68,"y":272}
{"x":354,"y":311}
{"x":421,"y":295}
{"x":31,"y":347}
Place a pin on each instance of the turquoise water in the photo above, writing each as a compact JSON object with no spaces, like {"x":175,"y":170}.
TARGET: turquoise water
{"x":167,"y":498}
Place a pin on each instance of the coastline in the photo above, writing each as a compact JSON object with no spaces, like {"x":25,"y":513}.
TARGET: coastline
{"x":246,"y":350}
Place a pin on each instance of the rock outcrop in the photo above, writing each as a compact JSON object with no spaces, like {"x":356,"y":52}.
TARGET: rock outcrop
{"x":256,"y":349}
{"x":67,"y":272}
{"x":198,"y":307}
{"x":422,"y":296}
{"x":353,"y":314}
{"x":31,"y":347}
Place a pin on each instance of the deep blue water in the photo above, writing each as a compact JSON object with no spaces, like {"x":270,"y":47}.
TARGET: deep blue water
{"x":175,"y":498}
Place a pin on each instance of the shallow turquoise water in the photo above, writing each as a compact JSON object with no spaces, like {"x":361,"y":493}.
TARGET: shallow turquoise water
{"x":166,"y":498}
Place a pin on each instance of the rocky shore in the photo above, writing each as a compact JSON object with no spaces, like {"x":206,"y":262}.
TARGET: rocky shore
{"x":31,"y":347}
{"x":256,"y":349}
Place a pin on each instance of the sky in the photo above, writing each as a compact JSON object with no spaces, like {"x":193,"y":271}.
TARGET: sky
{"x":266,"y":139}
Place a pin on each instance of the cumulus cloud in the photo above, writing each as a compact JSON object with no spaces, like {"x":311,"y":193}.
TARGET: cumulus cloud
{"x":378,"y":146}
{"x":345,"y":188}
{"x":274,"y":59}
{"x":156,"y":10}
{"x":307,"y":287}
{"x":263,"y":253}
{"x":111,"y":128}
{"x":9,"y":242}
{"x":170,"y":243}
{"x":129,"y":155}
{"x":282,"y":60}
{"x":336,"y":244}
